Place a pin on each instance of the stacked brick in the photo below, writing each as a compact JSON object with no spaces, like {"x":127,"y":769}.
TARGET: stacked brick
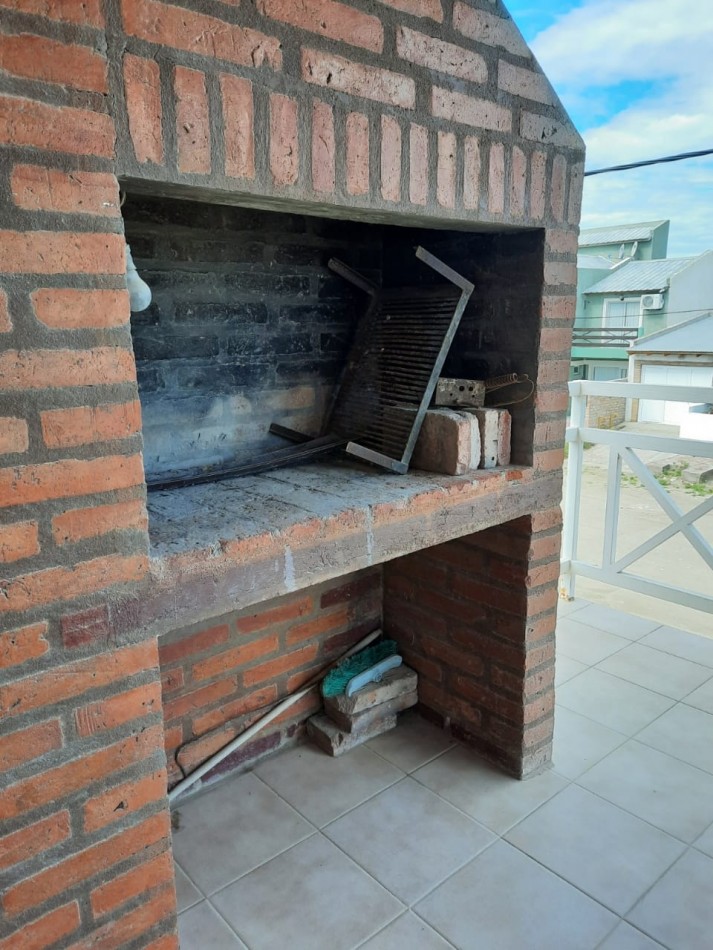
{"x":218,"y":679}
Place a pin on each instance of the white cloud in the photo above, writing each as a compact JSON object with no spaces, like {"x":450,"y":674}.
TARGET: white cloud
{"x":604,"y":43}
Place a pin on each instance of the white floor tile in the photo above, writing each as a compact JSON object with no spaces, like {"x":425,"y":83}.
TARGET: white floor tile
{"x":668,"y":793}
{"x":322,"y":788}
{"x":684,"y":733}
{"x":187,"y":894}
{"x":503,"y":899}
{"x":412,"y":743}
{"x":596,"y":846}
{"x":652,"y":669}
{"x":690,"y":646}
{"x":488,"y":795}
{"x":626,"y":937}
{"x":409,"y":839}
{"x":233,"y":828}
{"x":612,"y":701}
{"x":615,"y":621}
{"x":407,"y":932}
{"x":567,"y":607}
{"x":579,"y":743}
{"x":702,"y":698}
{"x":705,"y":842}
{"x":586,"y":644}
{"x":201,"y":927}
{"x":312,"y":897}
{"x":566,"y":669}
{"x":678,"y":911}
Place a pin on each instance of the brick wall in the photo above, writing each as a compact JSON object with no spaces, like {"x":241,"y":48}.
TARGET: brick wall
{"x":420,"y":110}
{"x":218,"y":678}
{"x":476,"y":618}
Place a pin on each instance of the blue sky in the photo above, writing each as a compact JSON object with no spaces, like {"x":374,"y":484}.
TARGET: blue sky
{"x":636,"y":78}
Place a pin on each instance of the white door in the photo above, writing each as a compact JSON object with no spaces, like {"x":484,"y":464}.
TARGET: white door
{"x":671,"y":412}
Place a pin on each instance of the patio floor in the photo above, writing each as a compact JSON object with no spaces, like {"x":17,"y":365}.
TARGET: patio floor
{"x":412,"y":843}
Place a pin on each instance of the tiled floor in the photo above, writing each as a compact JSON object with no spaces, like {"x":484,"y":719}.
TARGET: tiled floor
{"x":412,"y":843}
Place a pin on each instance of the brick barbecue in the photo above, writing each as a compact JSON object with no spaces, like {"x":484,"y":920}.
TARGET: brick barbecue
{"x":251,"y":142}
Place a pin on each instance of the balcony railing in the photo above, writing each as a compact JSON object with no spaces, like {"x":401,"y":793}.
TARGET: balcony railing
{"x":623,"y":447}
{"x":604,"y":336}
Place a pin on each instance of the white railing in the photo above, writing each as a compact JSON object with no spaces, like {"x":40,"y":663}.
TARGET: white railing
{"x":622,"y":448}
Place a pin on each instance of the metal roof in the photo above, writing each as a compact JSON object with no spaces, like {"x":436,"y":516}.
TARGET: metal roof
{"x":693,"y":336}
{"x":618,"y":233}
{"x":594,"y":262}
{"x":640,"y":276}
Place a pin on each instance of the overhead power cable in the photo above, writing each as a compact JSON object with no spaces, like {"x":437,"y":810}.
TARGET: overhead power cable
{"x":651,"y":161}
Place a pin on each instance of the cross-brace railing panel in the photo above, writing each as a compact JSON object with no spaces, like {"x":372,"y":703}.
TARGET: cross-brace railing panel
{"x":622,"y":449}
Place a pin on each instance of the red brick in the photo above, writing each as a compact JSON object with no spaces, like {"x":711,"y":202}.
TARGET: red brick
{"x":440,"y":56}
{"x":24,"y":745}
{"x":196,"y":643}
{"x":18,"y":541}
{"x":197,"y":752}
{"x":324,"y":623}
{"x":30,"y":483}
{"x":358,"y":79}
{"x":357,"y":147}
{"x":556,"y":340}
{"x":198,"y":699}
{"x":558,"y":308}
{"x":74,"y":679}
{"x":390,"y":159}
{"x":520,"y":81}
{"x":574,"y":204}
{"x":546,"y":520}
{"x":418,"y":164}
{"x":560,"y":272}
{"x":545,"y":547}
{"x":257,"y":699}
{"x":274,"y":615}
{"x":80,"y":12}
{"x":81,"y":523}
{"x":446,"y":170}
{"x":283,"y":664}
{"x":63,"y":780}
{"x":118,"y":933}
{"x":284,"y":139}
{"x":142,"y":84}
{"x":561,"y":242}
{"x":538,"y":184}
{"x":549,"y":460}
{"x":421,"y":8}
{"x":46,"y":931}
{"x":61,"y":252}
{"x":69,"y":309}
{"x":116,"y":803}
{"x":86,"y":424}
{"x":34,"y":839}
{"x":352,"y":591}
{"x":234,"y":659}
{"x":328,"y":18}
{"x":171,"y":680}
{"x":36,"y":188}
{"x":496,"y":179}
{"x":24,"y":122}
{"x":322,"y":147}
{"x":144,"y":878}
{"x":446,"y":654}
{"x":552,"y":371}
{"x":557,"y":186}
{"x":118,"y":709}
{"x":518,"y":180}
{"x":23,"y":644}
{"x":5,"y":327}
{"x":46,"y":884}
{"x":471,"y":172}
{"x":469,"y":110}
{"x":238,"y":124}
{"x":553,"y":401}
{"x":36,"y":57}
{"x":167,"y":25}
{"x":192,"y":121}
{"x":86,"y":626}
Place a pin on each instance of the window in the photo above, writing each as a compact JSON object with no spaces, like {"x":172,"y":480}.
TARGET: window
{"x":602,"y":374}
{"x":622,"y":312}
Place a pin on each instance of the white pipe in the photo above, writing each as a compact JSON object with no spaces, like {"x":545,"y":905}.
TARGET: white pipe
{"x":261,"y":723}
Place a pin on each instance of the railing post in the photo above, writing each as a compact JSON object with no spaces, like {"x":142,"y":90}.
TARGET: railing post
{"x":573,"y":488}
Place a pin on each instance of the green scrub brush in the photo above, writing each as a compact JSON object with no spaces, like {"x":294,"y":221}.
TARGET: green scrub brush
{"x":335,"y":682}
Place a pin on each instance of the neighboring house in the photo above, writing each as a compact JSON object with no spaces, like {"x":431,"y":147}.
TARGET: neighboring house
{"x":628,"y":289}
{"x":680,"y":355}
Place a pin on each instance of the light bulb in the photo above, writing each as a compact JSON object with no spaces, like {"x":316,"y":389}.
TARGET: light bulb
{"x":139,"y":290}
